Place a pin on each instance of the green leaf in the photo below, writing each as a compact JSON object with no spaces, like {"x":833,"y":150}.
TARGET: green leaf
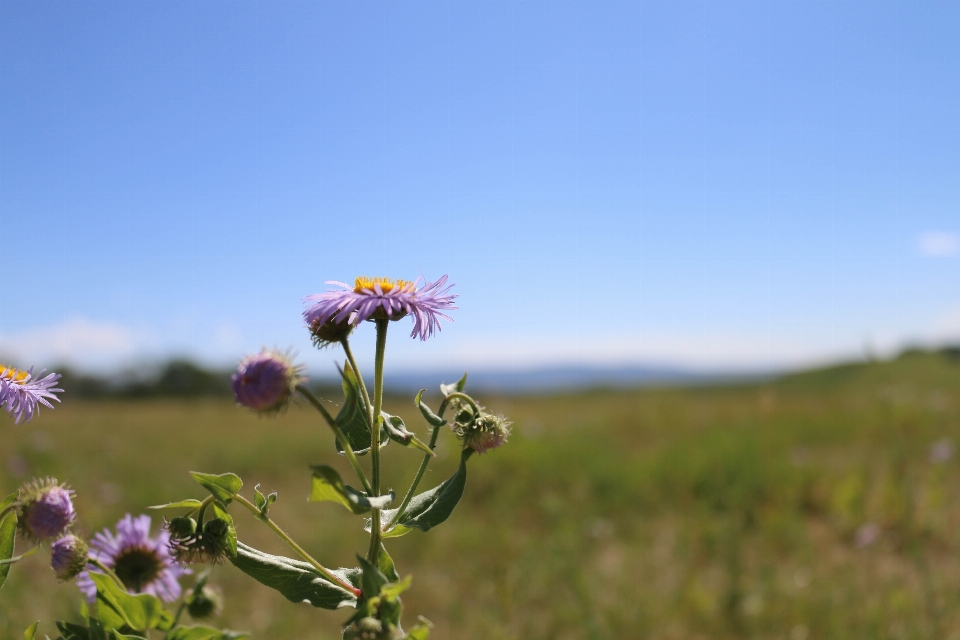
{"x":398,"y":432}
{"x":296,"y":581}
{"x":117,"y":609}
{"x":447,"y":389}
{"x":432,"y":419}
{"x":386,"y":565}
{"x":394,"y":532}
{"x":371,"y":579}
{"x":116,"y":635}
{"x":327,"y":486}
{"x":430,"y":508}
{"x":189,"y":503}
{"x":223,"y":487}
{"x":8,"y":534}
{"x":31,"y":631}
{"x":203,"y":633}
{"x":220,"y":512}
{"x":263,"y":503}
{"x":419,"y":632}
{"x":353,"y":416}
{"x":394,"y":589}
{"x":73,"y":631}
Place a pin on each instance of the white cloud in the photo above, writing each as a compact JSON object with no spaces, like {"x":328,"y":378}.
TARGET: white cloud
{"x":78,"y":342}
{"x":938,"y":244}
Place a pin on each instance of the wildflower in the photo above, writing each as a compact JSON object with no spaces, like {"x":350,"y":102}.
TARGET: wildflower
{"x":188,"y":546}
{"x":382,"y":298}
{"x":68,"y":557}
{"x":46,"y":509}
{"x":141,"y":562}
{"x":20,"y":392}
{"x":265,"y":382}
{"x":482,"y":432}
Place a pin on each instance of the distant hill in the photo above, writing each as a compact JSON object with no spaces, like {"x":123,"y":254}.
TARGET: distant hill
{"x":184,"y":379}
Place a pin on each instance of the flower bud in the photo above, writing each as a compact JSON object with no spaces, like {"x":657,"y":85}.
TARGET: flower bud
{"x":265,"y":382}
{"x":189,"y":546}
{"x":206,"y":602}
{"x":329,"y":332}
{"x":46,"y":509}
{"x":485,"y":432}
{"x":68,"y":557}
{"x":181,"y":527}
{"x":364,"y":629}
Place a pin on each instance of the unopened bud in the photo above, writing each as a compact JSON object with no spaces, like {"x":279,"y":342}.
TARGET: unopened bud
{"x":46,"y":509}
{"x":68,"y":557}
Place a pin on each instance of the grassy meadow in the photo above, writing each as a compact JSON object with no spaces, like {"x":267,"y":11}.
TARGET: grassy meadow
{"x":821,"y":505}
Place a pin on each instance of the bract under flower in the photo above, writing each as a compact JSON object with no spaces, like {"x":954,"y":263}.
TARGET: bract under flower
{"x":141,"y":562}
{"x":21,"y":393}
{"x":68,"y":557}
{"x":373,"y":298}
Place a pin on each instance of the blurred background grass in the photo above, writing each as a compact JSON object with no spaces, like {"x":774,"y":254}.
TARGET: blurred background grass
{"x":819,"y":505}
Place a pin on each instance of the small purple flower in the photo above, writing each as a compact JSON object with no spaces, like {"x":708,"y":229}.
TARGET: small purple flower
{"x":142,"y":563}
{"x":20,"y":393}
{"x":68,"y":557}
{"x":265,"y":382}
{"x":46,"y":509}
{"x":386,"y":299}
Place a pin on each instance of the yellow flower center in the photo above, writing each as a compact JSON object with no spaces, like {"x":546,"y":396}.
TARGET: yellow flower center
{"x":386,"y":284}
{"x":12,"y":375}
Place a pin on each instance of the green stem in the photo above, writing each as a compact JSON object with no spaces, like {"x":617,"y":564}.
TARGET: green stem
{"x":107,"y":570}
{"x":338,"y":432}
{"x":416,"y":480}
{"x":363,"y":386}
{"x":297,"y":548}
{"x":375,"y":533}
{"x":456,"y":395}
{"x":176,"y":618}
{"x":25,"y":554}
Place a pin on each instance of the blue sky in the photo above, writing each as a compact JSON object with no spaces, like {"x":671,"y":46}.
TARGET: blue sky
{"x":711,"y":184}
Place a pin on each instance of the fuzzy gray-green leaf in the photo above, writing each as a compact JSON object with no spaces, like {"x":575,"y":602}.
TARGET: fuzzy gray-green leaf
{"x":296,"y":581}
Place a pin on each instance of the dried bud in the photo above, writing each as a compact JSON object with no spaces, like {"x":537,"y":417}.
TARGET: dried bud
{"x":206,"y":602}
{"x":265,"y":382}
{"x":68,"y":557}
{"x":46,"y":509}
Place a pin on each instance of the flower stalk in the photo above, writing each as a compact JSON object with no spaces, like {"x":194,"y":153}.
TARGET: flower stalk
{"x":375,"y":533}
{"x":300,"y":551}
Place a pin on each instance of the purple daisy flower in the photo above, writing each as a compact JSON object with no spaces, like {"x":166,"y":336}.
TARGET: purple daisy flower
{"x":20,"y":393}
{"x":142,"y":563}
{"x":265,"y":382}
{"x":384,"y":298}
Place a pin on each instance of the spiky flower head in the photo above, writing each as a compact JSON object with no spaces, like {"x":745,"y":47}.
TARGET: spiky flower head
{"x":482,"y":432}
{"x":46,"y":509}
{"x":205,"y":602}
{"x":140,"y":560}
{"x":189,"y":546}
{"x":384,"y":299}
{"x":21,"y":393}
{"x":68,"y":557}
{"x":265,"y":382}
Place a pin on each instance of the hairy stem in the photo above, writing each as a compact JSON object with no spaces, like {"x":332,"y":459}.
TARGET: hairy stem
{"x":363,"y":386}
{"x":296,"y":547}
{"x":416,"y":480}
{"x":375,"y":533}
{"x":456,"y":395}
{"x":341,"y":438}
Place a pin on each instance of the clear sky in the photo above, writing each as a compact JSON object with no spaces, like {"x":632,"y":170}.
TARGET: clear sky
{"x":712,"y":184}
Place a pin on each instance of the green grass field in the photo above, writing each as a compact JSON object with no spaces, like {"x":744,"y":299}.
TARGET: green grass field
{"x":804,"y":508}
